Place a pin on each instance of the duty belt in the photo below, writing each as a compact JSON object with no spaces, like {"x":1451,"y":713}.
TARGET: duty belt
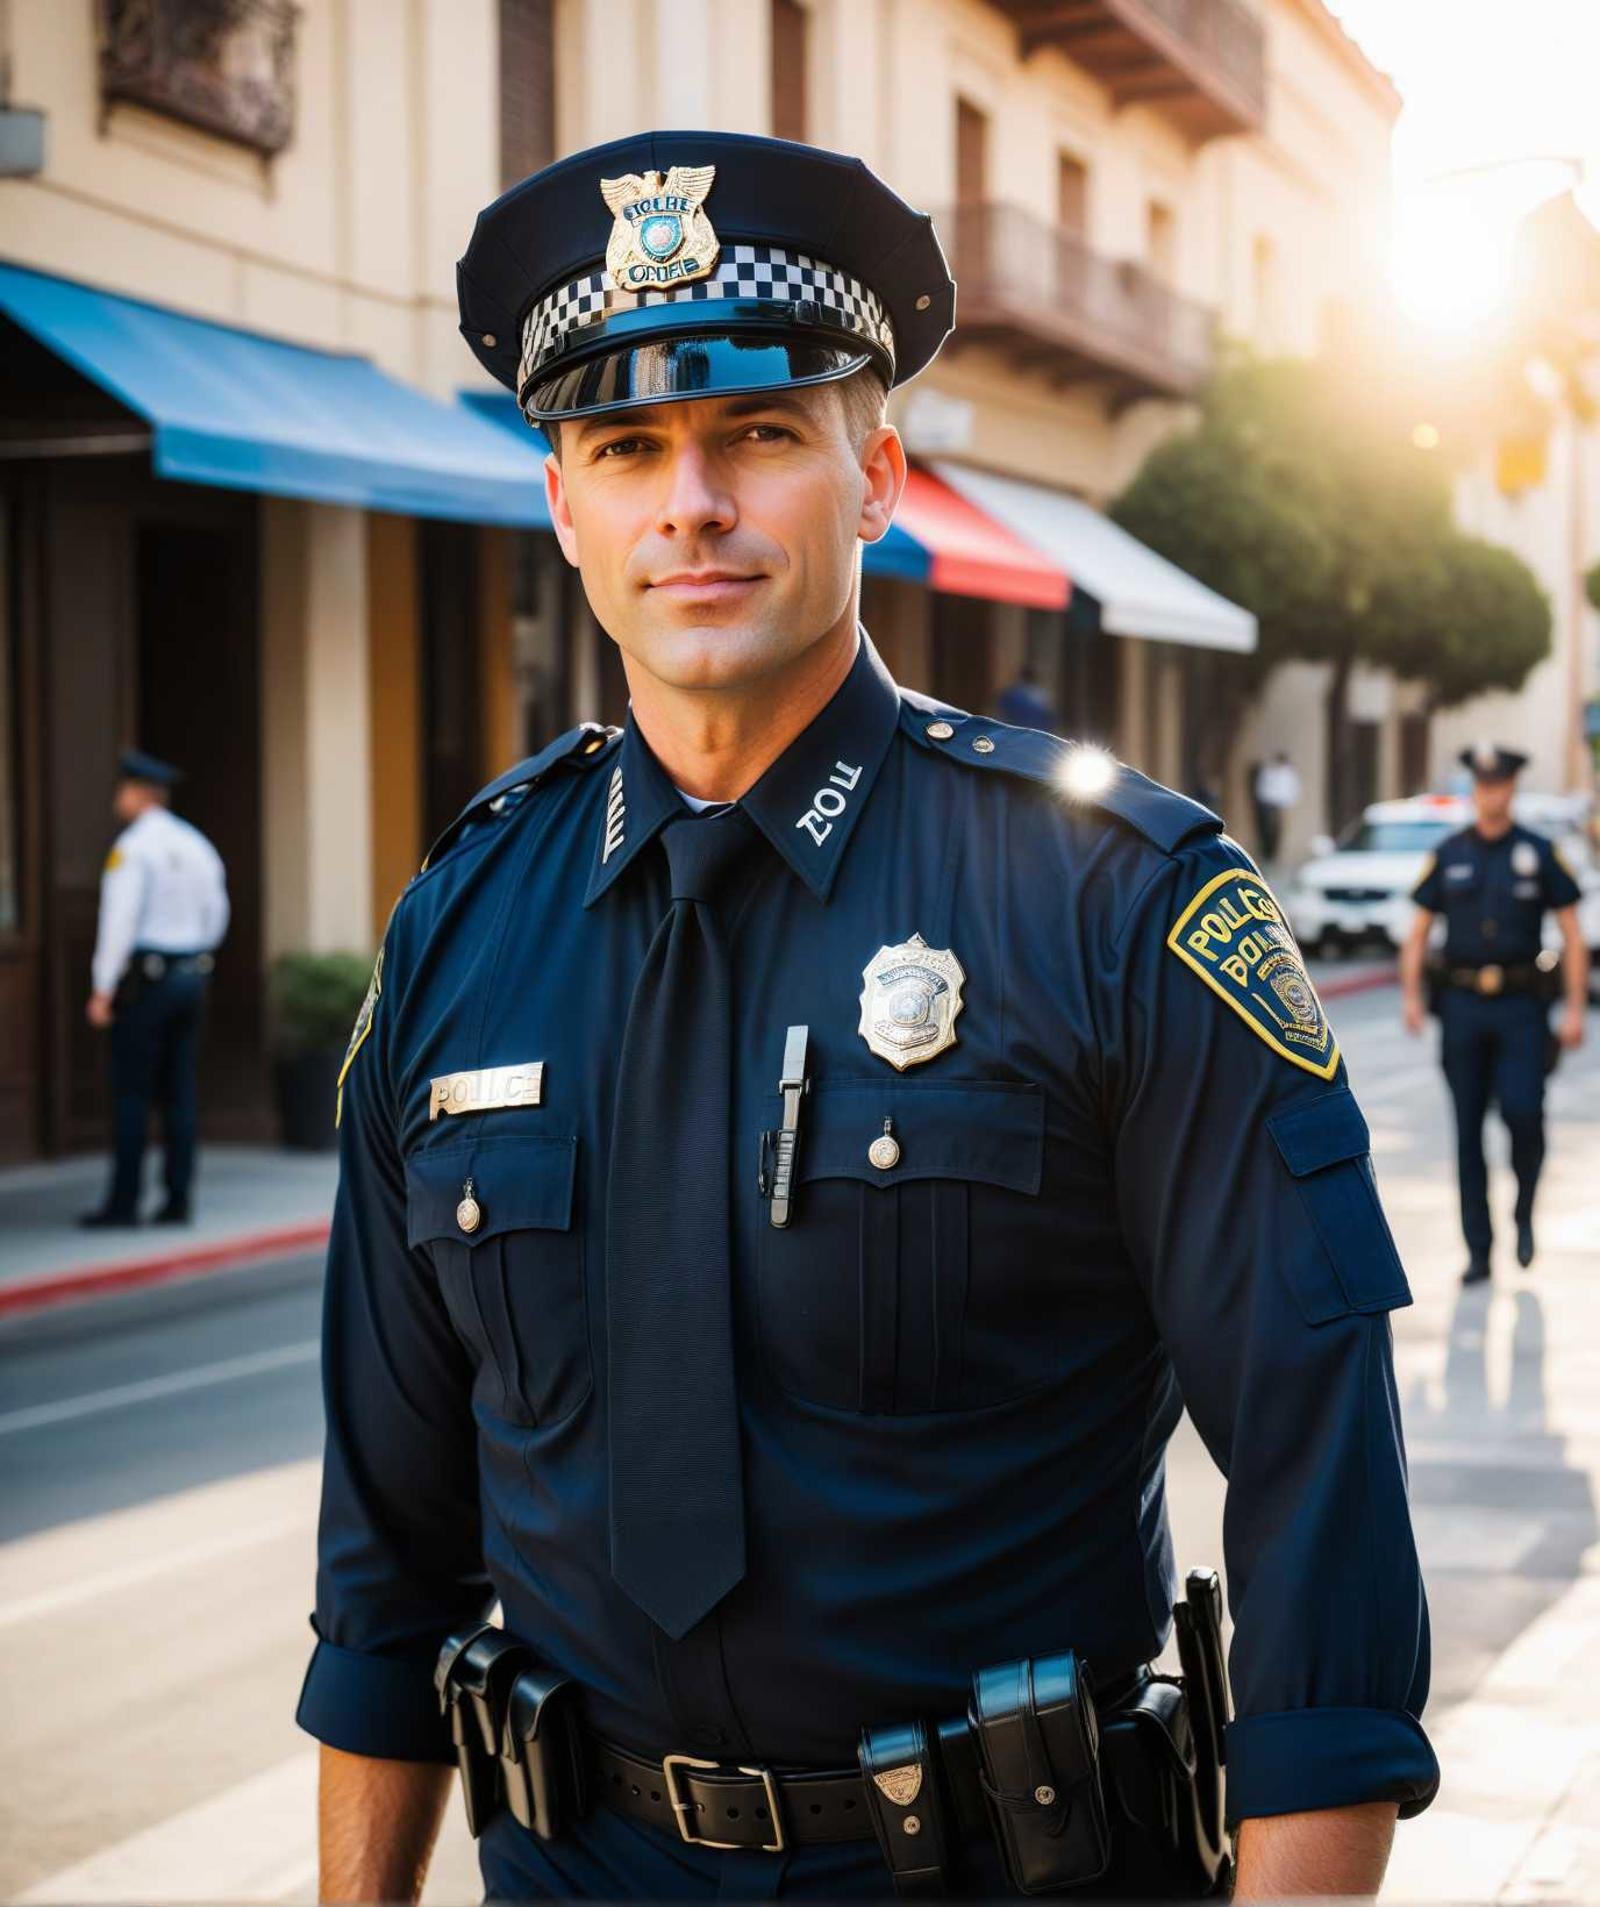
{"x":765,"y":1810}
{"x":152,"y":965}
{"x":1492,"y":979}
{"x":1051,"y":1765}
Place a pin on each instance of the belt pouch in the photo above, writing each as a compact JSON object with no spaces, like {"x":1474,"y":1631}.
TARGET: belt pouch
{"x":906,"y":1799}
{"x":475,"y":1669}
{"x":541,"y":1752}
{"x":1039,"y":1751}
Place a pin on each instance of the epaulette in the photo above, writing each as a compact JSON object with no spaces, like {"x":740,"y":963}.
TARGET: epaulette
{"x":1081,"y":773}
{"x":580,"y":747}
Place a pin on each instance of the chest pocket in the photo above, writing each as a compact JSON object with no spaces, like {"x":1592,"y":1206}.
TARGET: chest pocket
{"x":911,"y":1288}
{"x":514,"y":1287}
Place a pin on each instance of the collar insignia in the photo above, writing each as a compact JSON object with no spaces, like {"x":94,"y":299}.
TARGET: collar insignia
{"x":661,"y":235}
{"x":910,"y":1001}
{"x":616,"y":816}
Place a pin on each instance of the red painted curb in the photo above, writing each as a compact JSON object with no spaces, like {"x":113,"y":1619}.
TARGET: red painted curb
{"x":94,"y":1281}
{"x":1360,"y":983}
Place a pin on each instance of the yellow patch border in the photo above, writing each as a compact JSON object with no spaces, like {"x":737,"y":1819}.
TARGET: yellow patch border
{"x":1295,"y":1059}
{"x":360,"y":1040}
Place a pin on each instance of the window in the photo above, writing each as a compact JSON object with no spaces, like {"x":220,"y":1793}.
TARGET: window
{"x":790,"y":62}
{"x":972,"y":153}
{"x":527,"y":88}
{"x":1161,"y":240}
{"x":1072,"y":195}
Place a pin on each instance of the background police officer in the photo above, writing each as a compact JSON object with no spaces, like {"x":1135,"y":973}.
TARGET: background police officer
{"x":759,"y":1453}
{"x":1494,"y":882}
{"x":163,"y":912}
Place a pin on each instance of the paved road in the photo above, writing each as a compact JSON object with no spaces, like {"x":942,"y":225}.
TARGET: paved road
{"x":157,"y":1512}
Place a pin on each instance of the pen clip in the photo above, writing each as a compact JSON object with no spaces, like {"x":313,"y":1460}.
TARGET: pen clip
{"x":793,"y":1086}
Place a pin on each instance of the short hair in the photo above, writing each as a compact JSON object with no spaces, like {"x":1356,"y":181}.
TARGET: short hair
{"x":863,"y":396}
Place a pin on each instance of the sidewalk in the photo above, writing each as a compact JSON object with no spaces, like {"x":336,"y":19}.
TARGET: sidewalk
{"x":251,"y":1202}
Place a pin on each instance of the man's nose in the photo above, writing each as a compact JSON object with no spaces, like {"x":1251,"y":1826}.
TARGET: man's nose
{"x":695,"y":495}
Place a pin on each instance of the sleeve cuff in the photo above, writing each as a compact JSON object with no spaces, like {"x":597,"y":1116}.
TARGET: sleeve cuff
{"x":379,"y":1705}
{"x":1308,"y":1758}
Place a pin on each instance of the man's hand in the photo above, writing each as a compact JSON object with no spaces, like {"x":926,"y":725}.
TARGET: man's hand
{"x":1413,"y":953}
{"x":377,"y":1822}
{"x":1334,"y":1851}
{"x":98,"y":1011}
{"x":1570,"y":1031}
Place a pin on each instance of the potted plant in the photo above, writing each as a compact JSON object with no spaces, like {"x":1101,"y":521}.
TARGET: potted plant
{"x":315,"y":999}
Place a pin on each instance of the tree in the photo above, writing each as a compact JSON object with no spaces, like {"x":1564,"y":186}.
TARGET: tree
{"x":1481,"y":622}
{"x":1301,"y":496}
{"x":1591,"y":587}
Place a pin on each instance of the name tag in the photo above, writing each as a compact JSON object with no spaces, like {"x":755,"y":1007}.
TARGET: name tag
{"x":494,"y":1087}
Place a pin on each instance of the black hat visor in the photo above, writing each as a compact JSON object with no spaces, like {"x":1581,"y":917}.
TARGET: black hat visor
{"x":746,"y":349}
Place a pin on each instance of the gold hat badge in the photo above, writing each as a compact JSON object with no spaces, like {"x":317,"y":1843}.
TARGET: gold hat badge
{"x":662,"y":235}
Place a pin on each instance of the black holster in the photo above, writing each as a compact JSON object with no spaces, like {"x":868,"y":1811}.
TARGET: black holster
{"x":541,"y":1752}
{"x":1038,"y":1738}
{"x":474,"y":1675}
{"x":911,"y":1807}
{"x":1162,"y":1755}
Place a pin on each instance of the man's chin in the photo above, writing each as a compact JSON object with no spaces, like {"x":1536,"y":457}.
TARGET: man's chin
{"x":712,"y":655}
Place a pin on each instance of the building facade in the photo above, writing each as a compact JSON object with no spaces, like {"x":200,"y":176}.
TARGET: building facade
{"x":1123,"y":185}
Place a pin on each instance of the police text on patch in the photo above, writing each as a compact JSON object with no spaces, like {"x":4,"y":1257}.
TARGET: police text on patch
{"x":1233,"y":934}
{"x":487,"y":1091}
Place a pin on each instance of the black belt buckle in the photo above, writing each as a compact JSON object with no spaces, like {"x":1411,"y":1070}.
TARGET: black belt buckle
{"x":906,"y":1799}
{"x":1038,"y":1741}
{"x":541,"y":1752}
{"x":474,"y":1671}
{"x":683,"y":1807}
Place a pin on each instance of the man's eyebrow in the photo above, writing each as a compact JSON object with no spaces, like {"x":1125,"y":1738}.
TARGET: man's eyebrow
{"x":642,"y":418}
{"x":792,"y":402}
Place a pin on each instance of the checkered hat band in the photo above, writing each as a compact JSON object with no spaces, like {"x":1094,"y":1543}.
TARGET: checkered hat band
{"x":763,"y":272}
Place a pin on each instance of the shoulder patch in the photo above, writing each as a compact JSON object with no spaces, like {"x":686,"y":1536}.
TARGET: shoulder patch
{"x":1084,"y":775}
{"x":114,"y":860}
{"x":1233,"y":934}
{"x":358,"y":1033}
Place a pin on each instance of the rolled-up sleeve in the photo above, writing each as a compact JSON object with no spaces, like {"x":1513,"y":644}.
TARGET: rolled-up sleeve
{"x":399,"y":1555}
{"x":1249,"y":1202}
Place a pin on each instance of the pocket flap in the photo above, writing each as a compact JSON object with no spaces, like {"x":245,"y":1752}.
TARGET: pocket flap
{"x":989,"y":1131}
{"x":1320,"y":1133}
{"x":520,"y":1184}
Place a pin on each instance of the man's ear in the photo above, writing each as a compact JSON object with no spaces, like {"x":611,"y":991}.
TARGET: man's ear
{"x":883,"y":470}
{"x":555,"y":495}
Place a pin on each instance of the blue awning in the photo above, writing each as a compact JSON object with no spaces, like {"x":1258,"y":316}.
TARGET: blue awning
{"x":247,"y":412}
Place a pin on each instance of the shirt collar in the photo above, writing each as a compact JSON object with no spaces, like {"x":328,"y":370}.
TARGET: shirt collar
{"x":806,"y":804}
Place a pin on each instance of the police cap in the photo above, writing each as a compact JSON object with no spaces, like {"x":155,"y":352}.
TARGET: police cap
{"x":133,"y":764}
{"x":1488,"y":761}
{"x":686,"y":264}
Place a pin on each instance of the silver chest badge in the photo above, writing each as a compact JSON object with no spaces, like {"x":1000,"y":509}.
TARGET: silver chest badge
{"x":910,"y":1002}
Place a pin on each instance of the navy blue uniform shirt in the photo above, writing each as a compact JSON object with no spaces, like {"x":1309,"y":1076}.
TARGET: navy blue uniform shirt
{"x":1494,"y":894}
{"x":1137,"y":1179}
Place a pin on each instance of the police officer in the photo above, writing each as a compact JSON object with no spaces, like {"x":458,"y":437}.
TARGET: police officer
{"x":1494,"y":882}
{"x":163,"y":912}
{"x":795,"y":1149}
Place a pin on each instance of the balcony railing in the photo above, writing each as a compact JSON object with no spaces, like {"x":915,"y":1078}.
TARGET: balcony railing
{"x":1202,"y":62}
{"x":1058,"y":306}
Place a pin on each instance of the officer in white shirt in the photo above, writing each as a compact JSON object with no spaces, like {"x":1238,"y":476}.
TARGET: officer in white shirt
{"x":163,"y":912}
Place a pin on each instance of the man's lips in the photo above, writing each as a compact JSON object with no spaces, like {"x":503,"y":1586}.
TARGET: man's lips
{"x":707,"y":585}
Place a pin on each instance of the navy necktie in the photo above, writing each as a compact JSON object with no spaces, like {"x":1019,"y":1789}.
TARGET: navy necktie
{"x":677,"y":1495}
